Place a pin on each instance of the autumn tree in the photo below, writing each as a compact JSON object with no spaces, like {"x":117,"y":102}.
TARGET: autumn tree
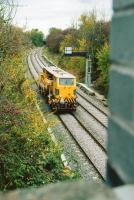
{"x":96,"y":34}
{"x":54,"y":39}
{"x":90,"y":35}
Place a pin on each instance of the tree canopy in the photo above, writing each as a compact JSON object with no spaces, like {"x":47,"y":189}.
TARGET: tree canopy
{"x":37,"y":37}
{"x":91,"y":35}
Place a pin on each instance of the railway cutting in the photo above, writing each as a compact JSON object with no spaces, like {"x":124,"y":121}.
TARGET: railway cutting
{"x":86,"y":125}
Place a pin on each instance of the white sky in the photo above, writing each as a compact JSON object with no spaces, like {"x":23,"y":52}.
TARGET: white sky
{"x":43,"y":14}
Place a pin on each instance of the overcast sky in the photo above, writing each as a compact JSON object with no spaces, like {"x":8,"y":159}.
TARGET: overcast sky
{"x":43,"y":14}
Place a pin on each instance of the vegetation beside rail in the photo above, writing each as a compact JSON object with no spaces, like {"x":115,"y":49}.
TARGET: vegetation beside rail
{"x":90,"y":34}
{"x":28,"y":156}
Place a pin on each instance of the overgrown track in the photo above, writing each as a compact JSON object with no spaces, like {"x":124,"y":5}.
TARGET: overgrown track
{"x":87,"y":125}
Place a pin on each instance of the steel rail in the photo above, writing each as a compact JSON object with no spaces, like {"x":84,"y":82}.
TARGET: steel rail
{"x":92,"y":160}
{"x":90,"y":100}
{"x":90,"y":113}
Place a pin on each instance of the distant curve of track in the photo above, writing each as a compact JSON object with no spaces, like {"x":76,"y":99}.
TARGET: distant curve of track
{"x":87,"y":125}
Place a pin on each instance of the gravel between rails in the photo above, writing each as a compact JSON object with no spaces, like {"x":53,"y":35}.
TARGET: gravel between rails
{"x":94,"y":152}
{"x":74,"y":154}
{"x":87,"y":169}
{"x":92,"y":100}
{"x":39,"y":62}
{"x":93,"y":111}
{"x":32,"y":69}
{"x":88,"y":99}
{"x":38,"y":68}
{"x":44,"y":59}
{"x":40,"y":59}
{"x":92,"y":126}
{"x":86,"y":142}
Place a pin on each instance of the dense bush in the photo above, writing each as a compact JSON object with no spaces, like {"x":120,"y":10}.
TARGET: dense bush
{"x":54,"y":39}
{"x":28,"y":156}
{"x":37,"y":37}
{"x":104,"y":64}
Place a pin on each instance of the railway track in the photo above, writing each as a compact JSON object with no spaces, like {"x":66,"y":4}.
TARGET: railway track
{"x":87,"y":125}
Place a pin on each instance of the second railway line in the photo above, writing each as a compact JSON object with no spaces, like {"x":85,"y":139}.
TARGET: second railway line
{"x":87,"y":125}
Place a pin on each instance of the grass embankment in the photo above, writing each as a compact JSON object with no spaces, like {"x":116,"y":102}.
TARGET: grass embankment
{"x":74,"y":65}
{"x":28,"y":156}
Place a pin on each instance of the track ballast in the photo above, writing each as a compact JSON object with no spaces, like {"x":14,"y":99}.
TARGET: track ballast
{"x":87,"y":125}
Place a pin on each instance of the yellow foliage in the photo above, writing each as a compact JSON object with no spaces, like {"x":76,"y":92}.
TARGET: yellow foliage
{"x":88,"y":20}
{"x":29,"y":94}
{"x":33,"y":114}
{"x":82,"y":44}
{"x":68,"y":41}
{"x":37,"y":121}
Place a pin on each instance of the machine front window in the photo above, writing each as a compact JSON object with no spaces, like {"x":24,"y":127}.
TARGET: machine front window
{"x":66,"y":81}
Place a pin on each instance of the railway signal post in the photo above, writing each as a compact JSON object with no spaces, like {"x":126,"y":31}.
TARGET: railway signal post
{"x":88,"y":71}
{"x":69,"y":52}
